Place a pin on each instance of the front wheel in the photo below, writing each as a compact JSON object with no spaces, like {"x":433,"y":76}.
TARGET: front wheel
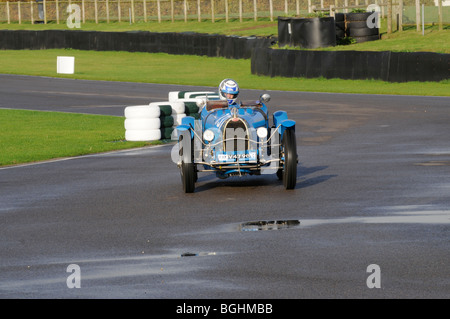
{"x":188,"y":177}
{"x":289,"y":173}
{"x":187,"y":169}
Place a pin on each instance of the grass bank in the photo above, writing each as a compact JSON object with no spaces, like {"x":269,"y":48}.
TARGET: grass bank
{"x":30,"y":136}
{"x":410,"y":40}
{"x":193,"y":70}
{"x":264,"y":27}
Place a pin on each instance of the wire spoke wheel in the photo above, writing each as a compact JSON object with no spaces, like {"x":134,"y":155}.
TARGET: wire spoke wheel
{"x":289,"y":175}
{"x":187,"y":169}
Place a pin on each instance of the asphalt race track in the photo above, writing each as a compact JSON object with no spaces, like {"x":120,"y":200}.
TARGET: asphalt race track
{"x":373,"y":188}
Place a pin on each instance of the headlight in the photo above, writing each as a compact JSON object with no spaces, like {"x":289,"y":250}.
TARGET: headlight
{"x":208,"y":135}
{"x":261,"y":132}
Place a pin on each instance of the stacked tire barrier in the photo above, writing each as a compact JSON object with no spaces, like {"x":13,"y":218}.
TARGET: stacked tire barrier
{"x":189,"y":96}
{"x":158,"y":120}
{"x":212,"y":45}
{"x":360,"y":26}
{"x":309,"y":33}
{"x":171,"y":115}
{"x":339,"y":19}
{"x":142,"y":123}
{"x":355,"y":65}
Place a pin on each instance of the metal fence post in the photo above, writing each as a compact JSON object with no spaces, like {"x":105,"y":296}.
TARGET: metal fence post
{"x":418,"y":15}
{"x":31,"y":12}
{"x":45,"y":12}
{"x":271,"y":9}
{"x":226,"y":10}
{"x":8,"y":13}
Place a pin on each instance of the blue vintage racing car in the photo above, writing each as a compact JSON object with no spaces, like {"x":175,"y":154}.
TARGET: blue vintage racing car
{"x":235,"y":138}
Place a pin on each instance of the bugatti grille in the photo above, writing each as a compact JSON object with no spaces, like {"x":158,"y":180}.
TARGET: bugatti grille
{"x":236,"y":136}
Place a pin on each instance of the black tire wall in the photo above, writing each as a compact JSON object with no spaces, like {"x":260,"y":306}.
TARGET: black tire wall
{"x":212,"y":45}
{"x":387,"y":66}
{"x":309,"y":33}
{"x":355,"y":65}
{"x":355,"y":25}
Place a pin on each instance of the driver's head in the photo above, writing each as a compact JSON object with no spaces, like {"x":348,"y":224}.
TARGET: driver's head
{"x":228,"y":90}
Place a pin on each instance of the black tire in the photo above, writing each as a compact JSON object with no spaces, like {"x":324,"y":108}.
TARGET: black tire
{"x":340,"y":26}
{"x":289,"y":145}
{"x":166,"y":132}
{"x":367,"y":38}
{"x":166,"y":121}
{"x":340,"y":34}
{"x":188,"y":177}
{"x":357,"y":16}
{"x":339,"y":17}
{"x":191,"y":107}
{"x":362,"y":32}
{"x":187,"y":169}
{"x":356,"y":24}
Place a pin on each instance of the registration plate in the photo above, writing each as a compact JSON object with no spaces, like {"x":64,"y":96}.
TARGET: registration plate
{"x":233,"y":157}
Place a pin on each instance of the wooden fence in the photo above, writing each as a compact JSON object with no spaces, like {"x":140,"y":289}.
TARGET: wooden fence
{"x":160,"y":10}
{"x":44,"y":11}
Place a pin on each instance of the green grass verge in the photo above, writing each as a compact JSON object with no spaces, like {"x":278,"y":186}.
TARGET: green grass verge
{"x":30,"y":136}
{"x":408,"y":41}
{"x":433,"y":40}
{"x":264,"y":27}
{"x":193,"y":70}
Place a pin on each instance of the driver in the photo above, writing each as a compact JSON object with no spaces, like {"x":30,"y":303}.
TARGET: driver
{"x":229,"y":90}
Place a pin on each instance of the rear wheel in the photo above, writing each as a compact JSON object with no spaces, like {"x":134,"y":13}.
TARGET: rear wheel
{"x":289,"y":174}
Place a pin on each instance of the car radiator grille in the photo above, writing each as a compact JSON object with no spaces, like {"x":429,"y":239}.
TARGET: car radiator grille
{"x":236,"y":135}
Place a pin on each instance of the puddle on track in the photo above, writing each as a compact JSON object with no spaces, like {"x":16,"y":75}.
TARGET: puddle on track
{"x":434,"y":217}
{"x":188,"y":254}
{"x":398,"y":215}
{"x":263,"y":225}
{"x":434,"y":163}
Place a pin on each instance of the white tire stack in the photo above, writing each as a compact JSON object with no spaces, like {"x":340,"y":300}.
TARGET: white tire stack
{"x":171,"y":114}
{"x":158,"y":120}
{"x":142,"y":123}
{"x":189,"y":95}
{"x":190,"y":98}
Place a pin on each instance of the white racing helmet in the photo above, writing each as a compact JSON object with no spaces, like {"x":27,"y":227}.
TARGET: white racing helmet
{"x":228,"y":86}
